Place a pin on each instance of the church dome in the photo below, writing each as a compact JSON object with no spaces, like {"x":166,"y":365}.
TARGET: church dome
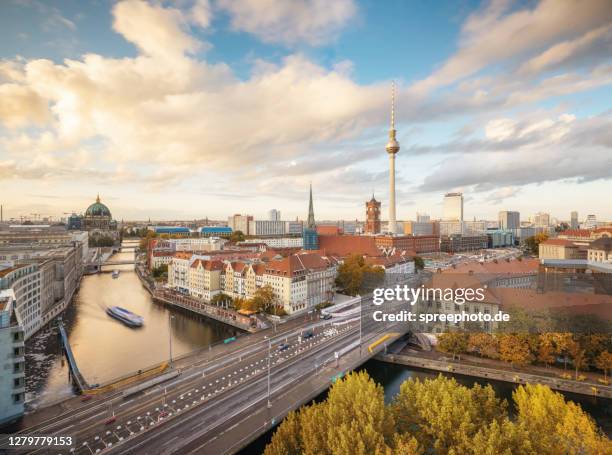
{"x":98,"y":209}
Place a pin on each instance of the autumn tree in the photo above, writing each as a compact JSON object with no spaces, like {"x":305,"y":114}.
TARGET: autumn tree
{"x":533,"y":242}
{"x":455,"y":343}
{"x":483,"y":344}
{"x":264,"y":298}
{"x":546,"y":349}
{"x":514,"y":349}
{"x":354,"y":275}
{"x":604,"y":363}
{"x":443,"y":415}
{"x":557,"y":426}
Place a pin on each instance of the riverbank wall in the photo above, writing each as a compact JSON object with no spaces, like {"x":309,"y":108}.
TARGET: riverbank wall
{"x":516,"y":377}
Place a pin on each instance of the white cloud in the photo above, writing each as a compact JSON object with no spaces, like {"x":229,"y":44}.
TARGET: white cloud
{"x":289,"y":22}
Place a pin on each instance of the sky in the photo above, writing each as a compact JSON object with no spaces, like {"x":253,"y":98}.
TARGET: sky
{"x":189,"y":109}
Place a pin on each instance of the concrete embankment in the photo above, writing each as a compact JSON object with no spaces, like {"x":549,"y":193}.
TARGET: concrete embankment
{"x":516,"y":377}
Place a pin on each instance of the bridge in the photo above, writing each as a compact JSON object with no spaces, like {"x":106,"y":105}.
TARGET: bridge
{"x":79,"y":381}
{"x":220,"y":406}
{"x":119,"y":262}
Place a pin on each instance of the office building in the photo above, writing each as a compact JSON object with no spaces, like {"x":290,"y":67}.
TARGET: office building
{"x":274,"y":215}
{"x":452,"y":208}
{"x":266,"y":227}
{"x":240,"y":223}
{"x":591,"y":222}
{"x":541,"y":220}
{"x":574,"y":220}
{"x":509,"y":220}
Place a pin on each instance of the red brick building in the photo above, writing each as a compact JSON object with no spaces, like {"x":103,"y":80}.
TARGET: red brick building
{"x":372,"y":216}
{"x":417,"y":244}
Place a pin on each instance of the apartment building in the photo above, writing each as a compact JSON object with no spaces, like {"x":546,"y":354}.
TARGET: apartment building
{"x":12,"y":359}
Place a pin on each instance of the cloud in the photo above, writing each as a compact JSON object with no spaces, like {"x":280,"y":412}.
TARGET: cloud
{"x":157,"y":31}
{"x":521,"y":153}
{"x":289,"y":22}
{"x":492,"y":35}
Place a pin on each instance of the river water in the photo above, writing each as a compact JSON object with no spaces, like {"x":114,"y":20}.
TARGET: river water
{"x":104,"y":348}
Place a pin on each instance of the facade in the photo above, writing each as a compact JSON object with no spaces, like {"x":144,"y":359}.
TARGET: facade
{"x":452,"y":208}
{"x":240,"y":223}
{"x":422,"y":217}
{"x":500,"y":238}
{"x":278,"y":242}
{"x":574,"y":220}
{"x":216,"y":231}
{"x":418,"y":228}
{"x":451,"y":227}
{"x":463,"y":243}
{"x":12,"y":359}
{"x":591,"y":222}
{"x":274,"y":215}
{"x":372,"y":216}
{"x":266,"y":227}
{"x":559,"y":249}
{"x":541,"y":220}
{"x":408,"y":243}
{"x":600,"y":250}
{"x":509,"y":220}
{"x":294,"y":228}
{"x":205,"y":279}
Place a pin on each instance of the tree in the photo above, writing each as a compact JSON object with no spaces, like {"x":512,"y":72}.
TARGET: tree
{"x":455,"y":343}
{"x":443,"y":415}
{"x":237,"y":236}
{"x":160,"y":271}
{"x":354,"y":275}
{"x":220,"y":299}
{"x":419,"y":263}
{"x":264,"y":298}
{"x":604,"y":363}
{"x":557,"y":426}
{"x":514,"y":349}
{"x":483,"y":344}
{"x":546,"y":349}
{"x":533,"y":242}
{"x":565,"y":344}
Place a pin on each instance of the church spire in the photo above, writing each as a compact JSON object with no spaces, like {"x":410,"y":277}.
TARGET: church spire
{"x":98,"y":198}
{"x":311,"y":217}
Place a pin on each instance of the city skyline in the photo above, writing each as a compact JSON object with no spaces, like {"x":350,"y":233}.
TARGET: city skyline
{"x":241,"y":109}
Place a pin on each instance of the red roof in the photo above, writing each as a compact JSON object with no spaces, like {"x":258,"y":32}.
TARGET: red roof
{"x":559,"y":242}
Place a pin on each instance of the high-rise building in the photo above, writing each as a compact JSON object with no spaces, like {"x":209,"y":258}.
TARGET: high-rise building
{"x":541,"y":219}
{"x":452,"y":209}
{"x":422,"y":218}
{"x":240,"y":223}
{"x":509,"y":220}
{"x":372,"y":216}
{"x":574,"y":220}
{"x":311,"y":238}
{"x":392,"y":149}
{"x":12,"y":359}
{"x":591,"y":222}
{"x":274,"y":215}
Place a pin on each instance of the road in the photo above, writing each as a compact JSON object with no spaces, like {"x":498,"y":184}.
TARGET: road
{"x":213,"y":397}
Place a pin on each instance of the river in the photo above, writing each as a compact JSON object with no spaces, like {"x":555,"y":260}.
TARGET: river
{"x":104,"y":348}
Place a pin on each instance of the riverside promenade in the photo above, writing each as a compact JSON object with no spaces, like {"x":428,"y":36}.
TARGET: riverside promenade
{"x":428,"y":361}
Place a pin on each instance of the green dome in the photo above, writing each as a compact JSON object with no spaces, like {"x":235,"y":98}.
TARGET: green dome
{"x":98,"y":209}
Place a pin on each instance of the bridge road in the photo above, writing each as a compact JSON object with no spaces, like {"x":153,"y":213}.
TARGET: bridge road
{"x":146,"y":409}
{"x":228,"y":423}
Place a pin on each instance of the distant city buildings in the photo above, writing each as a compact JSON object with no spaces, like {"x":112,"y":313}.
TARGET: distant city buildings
{"x":267,"y":227}
{"x":509,"y":220}
{"x":240,"y":223}
{"x":452,"y":208}
{"x":274,"y":215}
{"x":420,"y":227}
{"x":591,"y":222}
{"x":372,"y":216}
{"x":422,"y":218}
{"x":574,"y":220}
{"x":541,"y":220}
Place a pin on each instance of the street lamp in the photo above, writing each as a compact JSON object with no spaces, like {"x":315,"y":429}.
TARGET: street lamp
{"x":360,"y":317}
{"x":170,"y":318}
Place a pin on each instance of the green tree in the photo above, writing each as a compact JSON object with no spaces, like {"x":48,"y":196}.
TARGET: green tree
{"x":455,"y":343}
{"x":237,"y":236}
{"x":533,"y":242}
{"x":354,"y":275}
{"x":419,"y":263}
{"x":220,"y":298}
{"x":160,"y":271}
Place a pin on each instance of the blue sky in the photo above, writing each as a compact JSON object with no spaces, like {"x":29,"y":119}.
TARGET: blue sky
{"x":196,"y":108}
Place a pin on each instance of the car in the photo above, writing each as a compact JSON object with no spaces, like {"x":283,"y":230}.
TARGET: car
{"x":283,"y":347}
{"x":308,"y":334}
{"x":326,"y":316}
